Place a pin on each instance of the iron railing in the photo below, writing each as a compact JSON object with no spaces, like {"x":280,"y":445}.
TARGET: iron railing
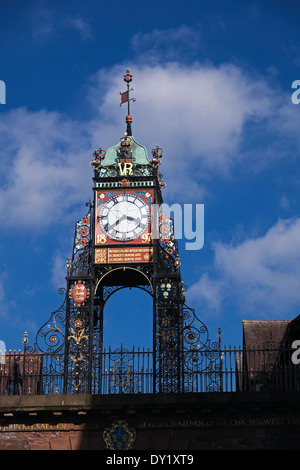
{"x":123,"y":371}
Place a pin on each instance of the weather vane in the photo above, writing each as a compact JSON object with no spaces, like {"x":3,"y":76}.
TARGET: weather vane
{"x":125,"y":99}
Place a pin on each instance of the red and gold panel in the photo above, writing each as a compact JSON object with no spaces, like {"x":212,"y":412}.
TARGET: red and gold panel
{"x":124,"y":255}
{"x":79,"y":293}
{"x":123,"y":217}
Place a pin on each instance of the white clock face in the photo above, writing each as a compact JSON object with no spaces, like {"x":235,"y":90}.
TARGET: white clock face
{"x":124,"y":217}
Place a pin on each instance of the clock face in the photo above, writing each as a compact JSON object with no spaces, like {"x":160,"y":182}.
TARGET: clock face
{"x":124,"y":217}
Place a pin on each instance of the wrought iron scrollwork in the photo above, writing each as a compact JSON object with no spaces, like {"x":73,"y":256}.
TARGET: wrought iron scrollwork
{"x":168,"y":246}
{"x":80,"y":264}
{"x":44,"y":361}
{"x":168,"y":336}
{"x":108,"y":291}
{"x":50,"y":336}
{"x":78,"y":336}
{"x":202,"y":358}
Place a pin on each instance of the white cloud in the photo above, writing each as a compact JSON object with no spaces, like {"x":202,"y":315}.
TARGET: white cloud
{"x":260,"y":275}
{"x":42,"y":21}
{"x":168,"y":44}
{"x":45,"y":164}
{"x":47,"y":23}
{"x":284,"y":202}
{"x":197,"y":113}
{"x":58,"y":270}
{"x":6,"y":304}
{"x":82,"y":26}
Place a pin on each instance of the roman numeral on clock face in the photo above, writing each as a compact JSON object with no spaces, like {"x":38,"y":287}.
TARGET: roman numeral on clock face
{"x":124,"y":217}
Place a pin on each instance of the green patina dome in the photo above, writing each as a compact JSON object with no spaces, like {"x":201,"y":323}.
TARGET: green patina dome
{"x":139,"y":154}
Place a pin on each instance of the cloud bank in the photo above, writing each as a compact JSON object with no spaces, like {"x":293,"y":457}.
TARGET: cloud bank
{"x":199,"y":114}
{"x":260,"y":275}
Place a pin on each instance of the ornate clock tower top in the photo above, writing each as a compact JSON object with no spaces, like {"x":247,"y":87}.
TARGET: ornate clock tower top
{"x":125,"y":240}
{"x":127,"y":162}
{"x":127,"y":186}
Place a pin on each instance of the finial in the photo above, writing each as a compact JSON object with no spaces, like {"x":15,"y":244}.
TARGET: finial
{"x":125,"y":99}
{"x":219,"y":335}
{"x":68,"y":265}
{"x":98,"y":155}
{"x":127,"y":76}
{"x":25,"y":338}
{"x":157,"y":153}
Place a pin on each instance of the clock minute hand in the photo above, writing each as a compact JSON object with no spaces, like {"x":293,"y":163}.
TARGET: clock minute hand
{"x":118,"y":221}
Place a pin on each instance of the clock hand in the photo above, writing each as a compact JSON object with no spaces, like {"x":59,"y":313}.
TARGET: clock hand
{"x":134,"y":219}
{"x":116,"y":212}
{"x":118,"y":221}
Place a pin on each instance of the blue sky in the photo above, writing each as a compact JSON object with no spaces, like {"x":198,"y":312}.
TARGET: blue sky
{"x":213,"y":86}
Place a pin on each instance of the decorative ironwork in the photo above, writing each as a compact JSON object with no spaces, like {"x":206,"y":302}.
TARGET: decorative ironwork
{"x":168,"y":337}
{"x":168,"y":253}
{"x":73,"y":336}
{"x":82,"y":234}
{"x":200,"y":354}
{"x":50,"y":337}
{"x":99,"y":156}
{"x":125,"y":371}
{"x":77,"y":340}
{"x":81,"y":262}
{"x":108,"y":291}
{"x":35,"y":373}
{"x":155,"y":162}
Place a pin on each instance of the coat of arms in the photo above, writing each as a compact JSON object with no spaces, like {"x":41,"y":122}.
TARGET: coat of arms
{"x":119,"y":436}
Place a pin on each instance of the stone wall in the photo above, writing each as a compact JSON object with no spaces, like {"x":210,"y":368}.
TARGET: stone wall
{"x":163,"y":422}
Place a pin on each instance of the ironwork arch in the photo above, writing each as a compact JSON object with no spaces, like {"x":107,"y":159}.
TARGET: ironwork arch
{"x":122,"y":269}
{"x":110,"y":290}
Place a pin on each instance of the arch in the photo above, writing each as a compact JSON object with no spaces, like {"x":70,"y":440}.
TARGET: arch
{"x":128,"y":319}
{"x":118,"y":288}
{"x":135,"y":327}
{"x":123,"y":269}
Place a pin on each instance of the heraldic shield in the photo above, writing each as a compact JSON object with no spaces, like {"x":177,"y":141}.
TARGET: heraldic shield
{"x":119,"y":436}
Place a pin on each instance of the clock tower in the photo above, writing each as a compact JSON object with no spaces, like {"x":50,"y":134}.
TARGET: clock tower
{"x":126,"y":241}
